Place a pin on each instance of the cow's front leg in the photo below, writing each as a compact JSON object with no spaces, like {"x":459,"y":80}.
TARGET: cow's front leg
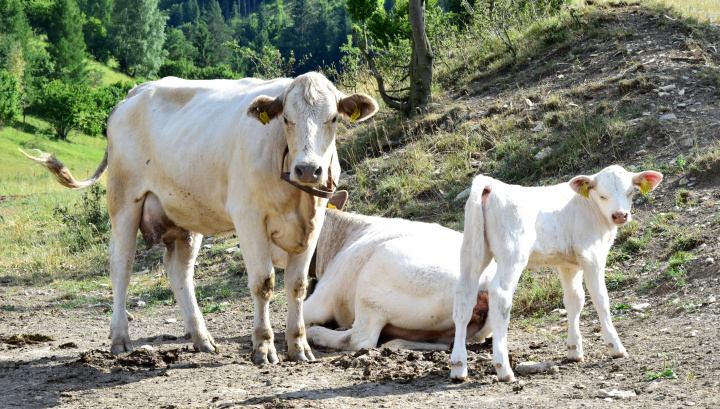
{"x":255,"y":246}
{"x":295,"y":287}
{"x":179,"y":262}
{"x":594,"y":268}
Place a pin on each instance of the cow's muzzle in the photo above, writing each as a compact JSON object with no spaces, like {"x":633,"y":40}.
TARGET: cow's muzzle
{"x":308,"y":173}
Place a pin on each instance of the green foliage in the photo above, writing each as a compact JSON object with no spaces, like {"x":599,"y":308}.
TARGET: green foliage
{"x":67,"y":44}
{"x":138,"y":35}
{"x":10,"y":97}
{"x":67,"y":107}
{"x":87,"y":223}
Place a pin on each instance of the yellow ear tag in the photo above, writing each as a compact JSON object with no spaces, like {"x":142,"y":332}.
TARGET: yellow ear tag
{"x":264,"y":118}
{"x":332,"y":206}
{"x":355,"y":115}
{"x":645,"y":186}
{"x":584,"y":191}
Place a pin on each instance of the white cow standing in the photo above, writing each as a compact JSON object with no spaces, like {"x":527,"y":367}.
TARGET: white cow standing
{"x":192,"y":158}
{"x":388,"y":278}
{"x":570,"y":227}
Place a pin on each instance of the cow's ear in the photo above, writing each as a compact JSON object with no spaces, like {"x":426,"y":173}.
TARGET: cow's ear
{"x":582,"y":185}
{"x":265,"y":108}
{"x":647,"y":180}
{"x":357,"y":107}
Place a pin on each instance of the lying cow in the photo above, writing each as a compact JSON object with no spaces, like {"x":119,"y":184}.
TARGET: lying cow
{"x":191,"y":158}
{"x":387,"y":278}
{"x":570,"y":227}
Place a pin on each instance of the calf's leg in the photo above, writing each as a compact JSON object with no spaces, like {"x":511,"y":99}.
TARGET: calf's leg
{"x":573,"y":297}
{"x":180,"y":264}
{"x":595,"y":281}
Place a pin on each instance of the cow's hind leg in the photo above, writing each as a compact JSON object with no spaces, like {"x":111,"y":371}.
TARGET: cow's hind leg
{"x":364,"y":333}
{"x":180,"y":264}
{"x":125,"y":222}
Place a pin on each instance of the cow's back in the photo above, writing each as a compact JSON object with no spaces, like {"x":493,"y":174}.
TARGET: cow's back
{"x":184,"y":140}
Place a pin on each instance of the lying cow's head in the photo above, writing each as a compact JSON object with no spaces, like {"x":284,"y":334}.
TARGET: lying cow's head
{"x":310,"y":110}
{"x":612,"y":188}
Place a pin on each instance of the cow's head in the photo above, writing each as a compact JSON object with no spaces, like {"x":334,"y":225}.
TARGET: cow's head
{"x":611,"y":190}
{"x":310,"y":110}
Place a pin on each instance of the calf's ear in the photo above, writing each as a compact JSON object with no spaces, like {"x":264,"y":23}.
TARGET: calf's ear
{"x":265,"y":108}
{"x":357,"y":107}
{"x":582,"y":185}
{"x":647,"y":180}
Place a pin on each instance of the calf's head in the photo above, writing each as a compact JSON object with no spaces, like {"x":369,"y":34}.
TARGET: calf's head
{"x":612,"y":188}
{"x":310,"y":110}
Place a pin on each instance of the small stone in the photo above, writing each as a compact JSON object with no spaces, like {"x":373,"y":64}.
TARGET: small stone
{"x":662,"y":94}
{"x":483,"y":357}
{"x":170,"y":321}
{"x":640,"y":307}
{"x":463,"y":195}
{"x":104,"y":285}
{"x":207,"y":246}
{"x":681,"y":92}
{"x":146,"y":347}
{"x":169,"y":337}
{"x":538,"y":127}
{"x":232,"y":249}
{"x":543,"y":154}
{"x":525,"y":368}
{"x":646,"y":113}
{"x":689,"y":403}
{"x":683,"y":181}
{"x":668,"y":87}
{"x":560,"y":311}
{"x":602,"y":393}
{"x":579,"y":386}
{"x":709,"y":260}
{"x":669,"y":117}
{"x":709,"y":300}
{"x":692,"y":334}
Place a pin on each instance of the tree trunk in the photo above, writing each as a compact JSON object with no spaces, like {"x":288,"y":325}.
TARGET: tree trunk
{"x":421,"y":63}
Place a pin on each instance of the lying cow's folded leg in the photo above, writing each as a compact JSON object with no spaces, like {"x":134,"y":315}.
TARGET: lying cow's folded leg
{"x":180,"y":265}
{"x":296,"y":286}
{"x":256,"y":251}
{"x":125,"y":222}
{"x":573,"y":300}
{"x":364,"y":333}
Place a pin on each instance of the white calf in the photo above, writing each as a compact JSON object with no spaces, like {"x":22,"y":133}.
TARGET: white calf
{"x":388,"y":278}
{"x":571,"y":228}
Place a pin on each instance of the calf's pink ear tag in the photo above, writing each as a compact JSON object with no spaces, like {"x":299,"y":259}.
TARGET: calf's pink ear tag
{"x":264,"y":118}
{"x":645,"y":187}
{"x":584,"y":191}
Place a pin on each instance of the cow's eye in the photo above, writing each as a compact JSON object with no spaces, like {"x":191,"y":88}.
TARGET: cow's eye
{"x":285,"y":120}
{"x":334,"y":119}
{"x":603,"y":197}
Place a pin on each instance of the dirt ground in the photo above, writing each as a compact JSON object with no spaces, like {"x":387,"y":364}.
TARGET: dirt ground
{"x":677,"y":329}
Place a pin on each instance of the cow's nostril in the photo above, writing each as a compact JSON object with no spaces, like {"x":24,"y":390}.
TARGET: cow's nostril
{"x":318,"y":172}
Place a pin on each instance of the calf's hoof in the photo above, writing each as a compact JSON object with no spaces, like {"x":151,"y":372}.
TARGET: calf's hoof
{"x":260,"y":358}
{"x":458,"y":371}
{"x":574,"y":355}
{"x":617,"y":352}
{"x":508,"y":378}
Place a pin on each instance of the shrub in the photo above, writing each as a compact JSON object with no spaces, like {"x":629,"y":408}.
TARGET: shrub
{"x":87,"y":221}
{"x":10,"y":96}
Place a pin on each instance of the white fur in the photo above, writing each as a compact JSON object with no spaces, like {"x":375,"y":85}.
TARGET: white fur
{"x":375,"y":271}
{"x":542,"y":226}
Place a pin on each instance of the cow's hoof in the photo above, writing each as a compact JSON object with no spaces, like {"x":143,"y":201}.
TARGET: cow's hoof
{"x":261,"y":359}
{"x":620,"y":355}
{"x":458,"y":380}
{"x":121,"y":348}
{"x":205,"y":343}
{"x":507,"y":378}
{"x":301,"y":356}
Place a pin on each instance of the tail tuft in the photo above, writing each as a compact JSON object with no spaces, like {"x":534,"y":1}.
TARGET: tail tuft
{"x":62,"y":173}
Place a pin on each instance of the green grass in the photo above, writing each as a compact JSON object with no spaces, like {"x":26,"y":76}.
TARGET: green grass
{"x":102,"y":74}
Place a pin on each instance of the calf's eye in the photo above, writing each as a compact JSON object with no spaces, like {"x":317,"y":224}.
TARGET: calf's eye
{"x":603,"y":197}
{"x":285,"y":120}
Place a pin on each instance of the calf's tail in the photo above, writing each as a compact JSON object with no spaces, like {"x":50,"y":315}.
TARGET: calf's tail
{"x":62,"y":173}
{"x":472,"y":254}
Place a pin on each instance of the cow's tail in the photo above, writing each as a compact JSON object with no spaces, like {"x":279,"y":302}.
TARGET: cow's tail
{"x":62,"y":173}
{"x":472,"y":255}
